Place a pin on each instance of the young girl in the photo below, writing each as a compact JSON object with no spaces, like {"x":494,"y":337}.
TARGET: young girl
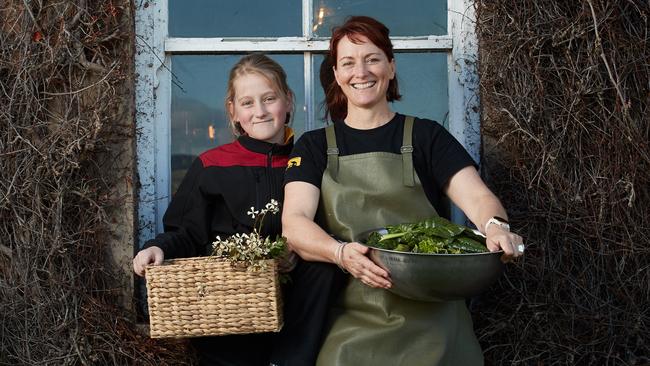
{"x":213,"y":198}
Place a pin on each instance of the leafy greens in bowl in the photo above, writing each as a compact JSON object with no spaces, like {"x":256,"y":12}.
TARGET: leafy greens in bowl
{"x":436,"y":235}
{"x":434,"y":260}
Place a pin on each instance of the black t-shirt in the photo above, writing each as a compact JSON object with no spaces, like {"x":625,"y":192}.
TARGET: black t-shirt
{"x":437,"y":155}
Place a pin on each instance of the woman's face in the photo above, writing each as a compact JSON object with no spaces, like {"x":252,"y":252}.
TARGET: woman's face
{"x":259,"y":108}
{"x":363,"y":71}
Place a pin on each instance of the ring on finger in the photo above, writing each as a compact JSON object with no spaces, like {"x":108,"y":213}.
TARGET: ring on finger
{"x":521,"y":248}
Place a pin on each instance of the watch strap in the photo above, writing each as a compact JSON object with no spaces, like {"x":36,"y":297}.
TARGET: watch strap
{"x":496,"y":220}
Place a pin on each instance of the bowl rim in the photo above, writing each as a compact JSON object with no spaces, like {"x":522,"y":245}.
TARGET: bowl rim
{"x":364,"y":235}
{"x":433,"y":254}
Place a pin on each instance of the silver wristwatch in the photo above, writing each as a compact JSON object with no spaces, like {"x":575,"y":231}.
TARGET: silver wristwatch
{"x":496,"y":220}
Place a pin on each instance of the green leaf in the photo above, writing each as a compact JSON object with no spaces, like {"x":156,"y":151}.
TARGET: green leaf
{"x":433,"y":235}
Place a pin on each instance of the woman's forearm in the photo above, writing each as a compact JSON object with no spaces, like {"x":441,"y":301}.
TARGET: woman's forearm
{"x":307,"y":239}
{"x":312,"y":243}
{"x":472,"y":196}
{"x":304,"y":236}
{"x":487,"y":207}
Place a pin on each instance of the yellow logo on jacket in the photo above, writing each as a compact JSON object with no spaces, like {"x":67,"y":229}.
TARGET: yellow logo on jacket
{"x":293,"y":162}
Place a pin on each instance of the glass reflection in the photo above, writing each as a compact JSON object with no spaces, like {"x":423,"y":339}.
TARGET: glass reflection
{"x":403,"y":18}
{"x":422,"y":81}
{"x":198,"y":119}
{"x":252,"y":18}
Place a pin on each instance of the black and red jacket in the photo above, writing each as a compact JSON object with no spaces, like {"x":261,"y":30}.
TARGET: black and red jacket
{"x":216,"y":193}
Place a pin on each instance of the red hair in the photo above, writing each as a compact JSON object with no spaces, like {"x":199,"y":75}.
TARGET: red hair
{"x":355,"y":28}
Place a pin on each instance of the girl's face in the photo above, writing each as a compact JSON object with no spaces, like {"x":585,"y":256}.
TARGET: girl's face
{"x":363,"y":71}
{"x":259,"y":108}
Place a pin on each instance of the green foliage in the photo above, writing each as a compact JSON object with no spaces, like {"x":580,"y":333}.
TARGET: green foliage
{"x":252,"y":248}
{"x":435,"y":235}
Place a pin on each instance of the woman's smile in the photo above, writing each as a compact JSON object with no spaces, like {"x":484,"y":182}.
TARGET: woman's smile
{"x":365,"y":85}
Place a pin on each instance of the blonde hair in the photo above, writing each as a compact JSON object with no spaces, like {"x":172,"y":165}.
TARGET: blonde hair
{"x":264,"y":66}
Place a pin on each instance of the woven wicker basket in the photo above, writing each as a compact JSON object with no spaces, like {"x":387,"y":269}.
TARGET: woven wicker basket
{"x":202,"y":296}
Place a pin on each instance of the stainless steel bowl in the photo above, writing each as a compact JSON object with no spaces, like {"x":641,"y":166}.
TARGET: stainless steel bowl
{"x":439,"y":277}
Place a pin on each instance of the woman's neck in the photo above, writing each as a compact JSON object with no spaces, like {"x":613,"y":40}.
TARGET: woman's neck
{"x":365,"y":119}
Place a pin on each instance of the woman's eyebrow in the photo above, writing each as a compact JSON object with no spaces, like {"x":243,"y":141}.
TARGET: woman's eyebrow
{"x":366,"y":55}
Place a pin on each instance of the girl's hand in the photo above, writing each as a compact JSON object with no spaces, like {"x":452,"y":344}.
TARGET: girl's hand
{"x":287,"y":262}
{"x":499,"y":238}
{"x":354,"y":260}
{"x":151,"y":255}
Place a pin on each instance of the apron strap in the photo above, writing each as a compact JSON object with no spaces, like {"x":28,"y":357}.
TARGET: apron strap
{"x":407,"y":152}
{"x":332,"y":151}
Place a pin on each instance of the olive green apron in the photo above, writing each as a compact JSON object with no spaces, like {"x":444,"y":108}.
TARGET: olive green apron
{"x":373,"y":326}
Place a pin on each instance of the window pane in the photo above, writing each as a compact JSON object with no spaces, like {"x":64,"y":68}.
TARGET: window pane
{"x":251,"y":18}
{"x":198,"y":119}
{"x":422,"y":79}
{"x":403,"y":18}
{"x":423,"y":84}
{"x":319,"y":93}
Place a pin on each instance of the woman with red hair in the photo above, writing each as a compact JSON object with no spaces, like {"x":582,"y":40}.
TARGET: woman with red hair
{"x":374,"y":167}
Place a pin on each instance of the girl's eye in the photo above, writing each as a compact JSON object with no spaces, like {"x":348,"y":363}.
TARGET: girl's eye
{"x":373,"y":60}
{"x":246,"y":103}
{"x":270,"y":99}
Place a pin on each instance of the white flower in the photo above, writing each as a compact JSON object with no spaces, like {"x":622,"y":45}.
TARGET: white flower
{"x":273,"y":206}
{"x":252,"y":213}
{"x":251,"y":247}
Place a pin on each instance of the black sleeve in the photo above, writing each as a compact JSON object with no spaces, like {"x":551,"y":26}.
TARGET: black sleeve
{"x":308,"y":159}
{"x":444,"y":156}
{"x":186,"y":221}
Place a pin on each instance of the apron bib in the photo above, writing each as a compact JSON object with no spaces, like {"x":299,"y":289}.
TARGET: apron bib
{"x":373,"y":326}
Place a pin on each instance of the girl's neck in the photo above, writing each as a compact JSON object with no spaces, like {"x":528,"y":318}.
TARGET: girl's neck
{"x":279,"y":140}
{"x":365,"y":119}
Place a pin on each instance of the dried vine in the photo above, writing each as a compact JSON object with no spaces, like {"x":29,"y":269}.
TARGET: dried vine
{"x":565,"y":91}
{"x":566,"y":132}
{"x":66,"y":129}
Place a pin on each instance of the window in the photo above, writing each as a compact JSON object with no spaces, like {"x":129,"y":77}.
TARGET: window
{"x":186,"y":48}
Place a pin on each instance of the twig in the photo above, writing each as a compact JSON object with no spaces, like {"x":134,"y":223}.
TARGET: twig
{"x":87,"y":87}
{"x":6,"y":251}
{"x":599,"y":44}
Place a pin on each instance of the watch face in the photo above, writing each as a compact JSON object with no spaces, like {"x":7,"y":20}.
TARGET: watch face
{"x":501,"y":219}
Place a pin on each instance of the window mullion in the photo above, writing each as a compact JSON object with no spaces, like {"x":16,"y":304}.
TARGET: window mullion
{"x":307,"y":16}
{"x":307,"y":32}
{"x":309,"y":92}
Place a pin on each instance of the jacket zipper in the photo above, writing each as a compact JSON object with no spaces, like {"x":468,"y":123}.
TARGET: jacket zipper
{"x":273,"y":219}
{"x":257,"y":189}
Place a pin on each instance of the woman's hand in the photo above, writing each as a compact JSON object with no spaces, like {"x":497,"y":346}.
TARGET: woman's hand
{"x":151,"y":255}
{"x":499,"y":238}
{"x":354,"y":259}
